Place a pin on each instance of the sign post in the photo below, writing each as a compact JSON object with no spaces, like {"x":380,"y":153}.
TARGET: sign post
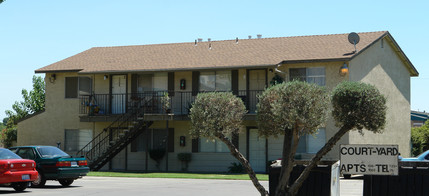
{"x":369,"y":159}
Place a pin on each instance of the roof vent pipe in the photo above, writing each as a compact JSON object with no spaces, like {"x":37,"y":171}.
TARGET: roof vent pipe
{"x":259,"y":36}
{"x":236,"y":40}
{"x":250,"y":37}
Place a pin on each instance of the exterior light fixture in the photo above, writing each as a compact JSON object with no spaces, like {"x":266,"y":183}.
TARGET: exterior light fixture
{"x":105,"y":77}
{"x":344,"y":69}
{"x":52,"y":78}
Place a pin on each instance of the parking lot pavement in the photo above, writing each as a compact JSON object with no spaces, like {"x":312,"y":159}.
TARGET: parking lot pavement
{"x":107,"y":186}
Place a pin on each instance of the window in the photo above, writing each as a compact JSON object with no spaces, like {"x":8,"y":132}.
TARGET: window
{"x":76,"y":86}
{"x":311,"y":75}
{"x":71,"y":87}
{"x":76,"y":139}
{"x":312,"y":143}
{"x":26,"y":153}
{"x":152,"y":138}
{"x":215,"y":81}
{"x":152,"y":82}
{"x":207,"y":145}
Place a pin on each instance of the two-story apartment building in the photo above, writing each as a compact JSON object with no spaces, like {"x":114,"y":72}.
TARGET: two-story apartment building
{"x":107,"y":102}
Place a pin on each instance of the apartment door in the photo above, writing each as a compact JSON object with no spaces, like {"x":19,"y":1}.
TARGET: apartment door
{"x":257,"y":82}
{"x":257,"y":151}
{"x":119,"y":90}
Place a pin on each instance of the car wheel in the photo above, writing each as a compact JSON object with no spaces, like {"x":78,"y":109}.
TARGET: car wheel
{"x":66,"y":182}
{"x":40,"y":181}
{"x":20,"y":186}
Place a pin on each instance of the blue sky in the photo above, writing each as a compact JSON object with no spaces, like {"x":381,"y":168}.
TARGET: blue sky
{"x":34,"y":34}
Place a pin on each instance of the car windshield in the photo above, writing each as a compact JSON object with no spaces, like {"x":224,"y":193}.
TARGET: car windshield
{"x":51,"y":152}
{"x":7,"y":154}
{"x":423,"y":154}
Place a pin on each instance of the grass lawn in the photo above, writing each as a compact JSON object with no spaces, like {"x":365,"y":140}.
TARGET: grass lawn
{"x":262,"y":177}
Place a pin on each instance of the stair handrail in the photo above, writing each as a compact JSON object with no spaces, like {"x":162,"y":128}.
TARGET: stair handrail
{"x":102,"y":136}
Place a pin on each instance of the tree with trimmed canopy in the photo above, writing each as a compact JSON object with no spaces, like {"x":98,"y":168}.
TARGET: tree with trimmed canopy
{"x":297,"y":108}
{"x":219,"y":115}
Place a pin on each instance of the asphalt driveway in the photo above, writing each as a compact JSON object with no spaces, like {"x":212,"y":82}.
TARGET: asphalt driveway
{"x":107,"y":186}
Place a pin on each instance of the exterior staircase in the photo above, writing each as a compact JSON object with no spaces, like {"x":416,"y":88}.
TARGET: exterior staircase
{"x":114,"y":138}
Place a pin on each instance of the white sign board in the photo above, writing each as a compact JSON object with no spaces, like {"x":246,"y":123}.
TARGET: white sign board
{"x":335,"y":179}
{"x":369,"y":159}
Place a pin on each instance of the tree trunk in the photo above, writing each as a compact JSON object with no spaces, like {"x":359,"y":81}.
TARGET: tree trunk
{"x":245,"y":163}
{"x":293,"y":190}
{"x":290,"y":144}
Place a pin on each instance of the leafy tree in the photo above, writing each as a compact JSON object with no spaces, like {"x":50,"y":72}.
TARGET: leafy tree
{"x":3,"y":126}
{"x":420,"y":138}
{"x":34,"y":101}
{"x":292,"y":109}
{"x":1,"y":1}
{"x":5,"y":120}
{"x":219,"y":115}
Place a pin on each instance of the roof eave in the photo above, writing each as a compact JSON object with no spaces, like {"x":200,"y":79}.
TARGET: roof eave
{"x":180,"y":69}
{"x":315,"y":60}
{"x":57,"y":71}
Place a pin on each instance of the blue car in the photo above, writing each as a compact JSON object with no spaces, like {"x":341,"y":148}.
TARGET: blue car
{"x":422,"y":157}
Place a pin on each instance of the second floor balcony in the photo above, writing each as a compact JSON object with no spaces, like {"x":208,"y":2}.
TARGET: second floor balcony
{"x":107,"y":105}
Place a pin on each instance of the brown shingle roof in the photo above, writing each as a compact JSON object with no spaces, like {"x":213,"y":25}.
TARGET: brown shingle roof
{"x":223,"y":54}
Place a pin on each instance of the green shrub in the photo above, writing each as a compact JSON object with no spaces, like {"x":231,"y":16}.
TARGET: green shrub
{"x":157,"y":155}
{"x":184,"y":157}
{"x":420,"y":139}
{"x":236,"y":168}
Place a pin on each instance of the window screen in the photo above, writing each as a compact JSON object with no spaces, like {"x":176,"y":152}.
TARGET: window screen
{"x":311,"y":75}
{"x":76,"y":86}
{"x":215,"y":81}
{"x":152,"y":138}
{"x":207,"y":145}
{"x":85,"y":84}
{"x":76,"y":139}
{"x":71,"y":87}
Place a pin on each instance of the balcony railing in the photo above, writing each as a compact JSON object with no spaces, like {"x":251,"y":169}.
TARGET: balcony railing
{"x":180,"y":102}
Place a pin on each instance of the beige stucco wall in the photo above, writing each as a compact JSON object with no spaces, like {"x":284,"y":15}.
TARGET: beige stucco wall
{"x":380,"y":65}
{"x":48,"y":128}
